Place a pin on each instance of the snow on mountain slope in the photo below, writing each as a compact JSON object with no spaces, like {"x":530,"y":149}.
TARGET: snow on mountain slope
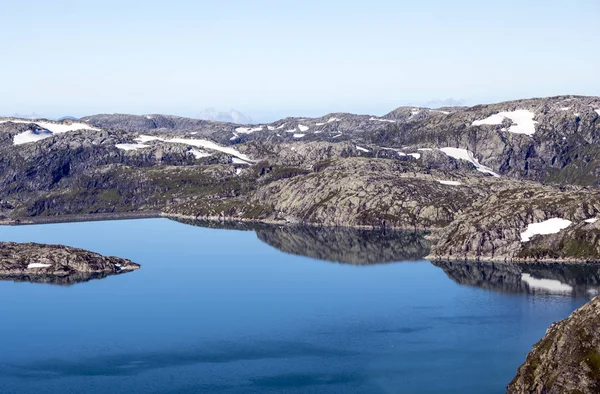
{"x":48,"y":129}
{"x":206,"y":144}
{"x":463,"y":154}
{"x":522,"y":120}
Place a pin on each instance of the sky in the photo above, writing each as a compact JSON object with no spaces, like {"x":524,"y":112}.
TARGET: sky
{"x":271,"y":59}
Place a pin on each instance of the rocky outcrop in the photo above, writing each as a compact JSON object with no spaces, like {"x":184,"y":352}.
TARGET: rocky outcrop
{"x":490,"y":229}
{"x":56,"y":263}
{"x":567,"y":359}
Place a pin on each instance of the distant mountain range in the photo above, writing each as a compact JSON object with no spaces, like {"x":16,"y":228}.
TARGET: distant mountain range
{"x":231,"y":116}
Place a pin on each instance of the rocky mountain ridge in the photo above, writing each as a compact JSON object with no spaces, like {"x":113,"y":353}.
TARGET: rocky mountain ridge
{"x":438,"y":170}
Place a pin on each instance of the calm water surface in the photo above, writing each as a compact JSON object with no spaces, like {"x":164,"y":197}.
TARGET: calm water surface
{"x":220,"y":311}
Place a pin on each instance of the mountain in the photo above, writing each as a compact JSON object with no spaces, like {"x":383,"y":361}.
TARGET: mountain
{"x":477,"y":178}
{"x":232,"y":116}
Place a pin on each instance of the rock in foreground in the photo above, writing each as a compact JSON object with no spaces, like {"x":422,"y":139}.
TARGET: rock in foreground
{"x":567,"y":359}
{"x":41,"y":263}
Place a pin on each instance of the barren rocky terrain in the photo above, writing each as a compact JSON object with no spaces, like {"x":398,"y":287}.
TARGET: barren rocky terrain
{"x":475,"y":177}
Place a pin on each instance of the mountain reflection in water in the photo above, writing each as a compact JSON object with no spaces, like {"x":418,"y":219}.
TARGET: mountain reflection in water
{"x":336,"y":244}
{"x":575,"y":280}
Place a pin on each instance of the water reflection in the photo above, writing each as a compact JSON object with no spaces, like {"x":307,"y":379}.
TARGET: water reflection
{"x":64,"y":280}
{"x":336,"y":244}
{"x":577,"y":280}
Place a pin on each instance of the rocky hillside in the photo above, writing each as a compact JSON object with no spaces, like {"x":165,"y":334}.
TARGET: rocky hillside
{"x":567,"y":359}
{"x":56,"y":264}
{"x":438,"y":170}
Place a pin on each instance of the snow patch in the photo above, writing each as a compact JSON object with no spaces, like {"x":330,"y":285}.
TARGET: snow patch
{"x":597,"y":111}
{"x":425,"y":149}
{"x":248,"y":130}
{"x":551,"y":285}
{"x":298,"y":135}
{"x":199,"y":154}
{"x":271,"y":128}
{"x":147,"y":138}
{"x":238,"y":171}
{"x":565,"y":108}
{"x":38,"y":265}
{"x":463,"y":154}
{"x":31,"y":136}
{"x":206,"y":144}
{"x":360,"y":148}
{"x":131,"y":146}
{"x":382,"y":120}
{"x":522,"y":120}
{"x":337,"y":135}
{"x":303,"y":128}
{"x":550,"y":226}
{"x":53,"y":128}
{"x":450,"y":183}
{"x":235,"y":160}
{"x":592,"y":220}
{"x":400,"y":153}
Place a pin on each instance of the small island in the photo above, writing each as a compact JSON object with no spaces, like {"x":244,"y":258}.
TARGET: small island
{"x":57,"y":264}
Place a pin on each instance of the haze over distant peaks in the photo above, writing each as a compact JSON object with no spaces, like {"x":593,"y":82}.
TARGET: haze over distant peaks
{"x":449,"y":102}
{"x":232,"y":116}
{"x":32,"y":115}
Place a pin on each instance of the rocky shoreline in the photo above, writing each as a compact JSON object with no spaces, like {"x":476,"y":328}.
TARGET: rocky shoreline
{"x":567,"y":359}
{"x":33,"y":262}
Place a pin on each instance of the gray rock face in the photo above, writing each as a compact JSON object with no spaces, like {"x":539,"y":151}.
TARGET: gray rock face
{"x":490,"y":230}
{"x":567,"y":359}
{"x":56,"y":263}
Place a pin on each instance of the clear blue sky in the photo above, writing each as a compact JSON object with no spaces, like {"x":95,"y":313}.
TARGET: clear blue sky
{"x":274,"y":58}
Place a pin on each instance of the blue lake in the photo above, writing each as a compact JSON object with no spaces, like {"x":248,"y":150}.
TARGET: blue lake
{"x":221,"y":311}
